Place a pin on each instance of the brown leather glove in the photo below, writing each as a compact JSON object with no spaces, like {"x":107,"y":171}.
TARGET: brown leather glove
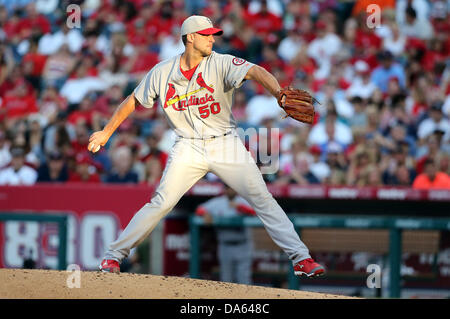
{"x":297,"y":104}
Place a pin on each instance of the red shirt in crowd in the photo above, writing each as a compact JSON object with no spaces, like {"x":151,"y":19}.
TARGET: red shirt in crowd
{"x":367,"y":39}
{"x":80,"y":115}
{"x":264,"y":22}
{"x":160,"y":155}
{"x":38,"y":61}
{"x":28,"y":24}
{"x":441,"y":181}
{"x":144,"y":62}
{"x":17,"y":106}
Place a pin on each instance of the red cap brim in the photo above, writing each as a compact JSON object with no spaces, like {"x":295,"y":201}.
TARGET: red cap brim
{"x":214,"y":31}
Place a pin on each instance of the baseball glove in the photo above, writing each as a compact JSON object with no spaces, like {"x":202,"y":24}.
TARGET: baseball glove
{"x":297,"y":104}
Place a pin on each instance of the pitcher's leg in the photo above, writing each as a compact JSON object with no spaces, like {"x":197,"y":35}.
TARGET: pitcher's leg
{"x":178,"y":177}
{"x":246,"y":179}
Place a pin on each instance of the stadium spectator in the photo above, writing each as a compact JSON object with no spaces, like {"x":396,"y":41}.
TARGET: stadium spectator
{"x":361,"y":85}
{"x":154,"y":152}
{"x":260,"y":106}
{"x":5,"y":155}
{"x":85,"y":170}
{"x":360,"y":167}
{"x":387,"y":70}
{"x":121,"y":171}
{"x":83,"y":114}
{"x":81,"y":140}
{"x":58,"y":135}
{"x":414,"y":27}
{"x":295,"y":166}
{"x":431,"y":178}
{"x":319,"y":168}
{"x":50,"y":104}
{"x":54,"y":170}
{"x":331,"y":129}
{"x":290,"y":46}
{"x":33,"y":23}
{"x":153,"y":171}
{"x":263,"y":21}
{"x":433,"y":151}
{"x":239,"y":109}
{"x":33,"y":64}
{"x":78,"y":86}
{"x":323,"y":47}
{"x":359,"y":118}
{"x":398,"y":168}
{"x":50,"y":43}
{"x":58,"y":68}
{"x":170,"y":45}
{"x":395,"y":42}
{"x":337,"y":164}
{"x":18,"y":105}
{"x":18,"y":173}
{"x":435,"y":121}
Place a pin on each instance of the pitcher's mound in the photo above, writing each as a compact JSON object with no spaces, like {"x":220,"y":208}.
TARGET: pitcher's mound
{"x":29,"y":284}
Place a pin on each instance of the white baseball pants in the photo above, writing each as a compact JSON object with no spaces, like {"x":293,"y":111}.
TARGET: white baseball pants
{"x":189,"y":161}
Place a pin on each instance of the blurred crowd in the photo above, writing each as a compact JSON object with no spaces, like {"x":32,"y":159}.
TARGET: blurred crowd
{"x":383,"y":87}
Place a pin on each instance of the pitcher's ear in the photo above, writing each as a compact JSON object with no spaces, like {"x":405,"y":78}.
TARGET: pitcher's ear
{"x":190,"y":37}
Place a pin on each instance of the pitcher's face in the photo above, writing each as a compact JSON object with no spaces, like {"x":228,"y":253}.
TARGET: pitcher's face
{"x":203,"y":43}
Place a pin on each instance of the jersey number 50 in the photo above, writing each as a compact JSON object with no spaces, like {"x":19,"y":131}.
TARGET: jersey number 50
{"x":206,"y":110}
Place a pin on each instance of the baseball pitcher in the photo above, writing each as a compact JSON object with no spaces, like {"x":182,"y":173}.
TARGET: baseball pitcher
{"x":195,"y":90}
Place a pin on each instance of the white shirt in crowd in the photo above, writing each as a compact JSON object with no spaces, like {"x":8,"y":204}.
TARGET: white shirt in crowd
{"x":76,"y":89}
{"x":321,"y":50}
{"x":342,"y":134}
{"x":170,"y":47}
{"x":24,"y":176}
{"x":289,"y":48}
{"x":320,"y":170}
{"x":260,"y":107}
{"x":395,"y":46}
{"x":5,"y":156}
{"x":446,"y":106}
{"x":50,"y":43}
{"x":428,"y":126}
{"x":361,"y":89}
{"x":421,"y":7}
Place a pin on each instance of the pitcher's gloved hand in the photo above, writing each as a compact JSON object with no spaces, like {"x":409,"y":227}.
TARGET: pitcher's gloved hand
{"x":297,"y":104}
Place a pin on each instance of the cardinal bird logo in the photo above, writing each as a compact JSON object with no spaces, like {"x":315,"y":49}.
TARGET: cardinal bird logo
{"x":202,"y":83}
{"x":170,"y":93}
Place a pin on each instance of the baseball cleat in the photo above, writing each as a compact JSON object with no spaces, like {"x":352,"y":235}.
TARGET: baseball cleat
{"x":109,"y":265}
{"x":308,"y":267}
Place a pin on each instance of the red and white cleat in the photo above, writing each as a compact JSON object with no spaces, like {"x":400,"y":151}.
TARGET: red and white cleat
{"x":308,"y":267}
{"x":109,"y":265}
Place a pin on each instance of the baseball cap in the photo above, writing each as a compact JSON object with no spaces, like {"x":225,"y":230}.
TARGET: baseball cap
{"x":199,"y":24}
{"x":436,"y":106}
{"x":17,"y":151}
{"x":83,"y":158}
{"x":55,"y":155}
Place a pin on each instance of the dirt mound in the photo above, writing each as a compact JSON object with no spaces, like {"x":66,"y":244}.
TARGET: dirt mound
{"x":30,"y":284}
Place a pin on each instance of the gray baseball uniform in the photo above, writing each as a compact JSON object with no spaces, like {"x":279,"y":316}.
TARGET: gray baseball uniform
{"x":199,"y":111}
